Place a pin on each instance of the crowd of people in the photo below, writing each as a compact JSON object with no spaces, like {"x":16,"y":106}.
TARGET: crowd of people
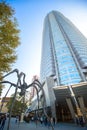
{"x":43,"y":120}
{"x":80,"y":120}
{"x":2,"y":121}
{"x":51,"y":121}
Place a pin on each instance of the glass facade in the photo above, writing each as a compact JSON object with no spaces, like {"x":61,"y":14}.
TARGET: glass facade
{"x":64,"y":51}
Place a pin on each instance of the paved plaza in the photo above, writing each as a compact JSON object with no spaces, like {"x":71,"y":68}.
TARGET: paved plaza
{"x":32,"y":126}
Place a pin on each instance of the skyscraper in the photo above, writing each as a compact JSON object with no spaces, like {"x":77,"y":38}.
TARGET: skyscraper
{"x":64,"y":51}
{"x":63,"y":69}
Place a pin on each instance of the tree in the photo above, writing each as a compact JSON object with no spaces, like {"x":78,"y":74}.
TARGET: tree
{"x":19,"y":106}
{"x":9,"y":38}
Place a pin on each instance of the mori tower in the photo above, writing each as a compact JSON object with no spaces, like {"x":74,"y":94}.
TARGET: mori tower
{"x":63,"y":71}
{"x":64,"y":67}
{"x":64,"y":51}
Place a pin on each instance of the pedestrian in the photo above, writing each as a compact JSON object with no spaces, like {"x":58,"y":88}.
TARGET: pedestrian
{"x":3,"y":122}
{"x":36,"y":120}
{"x":48,"y":122}
{"x":0,"y":120}
{"x":54,"y":122}
{"x":41,"y":120}
{"x":77,"y":120}
{"x":16,"y":120}
{"x":19,"y":118}
{"x":82,"y":121}
{"x":45,"y":121}
{"x":51,"y":121}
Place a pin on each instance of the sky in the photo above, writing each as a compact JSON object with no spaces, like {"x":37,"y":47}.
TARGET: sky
{"x":30,"y":15}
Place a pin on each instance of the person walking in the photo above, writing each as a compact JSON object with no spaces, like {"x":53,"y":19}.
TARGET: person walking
{"x":54,"y":122}
{"x":45,"y":120}
{"x":82,"y":121}
{"x":41,"y":120}
{"x":49,"y":122}
{"x":3,"y":122}
{"x":0,"y":119}
{"x":16,"y":120}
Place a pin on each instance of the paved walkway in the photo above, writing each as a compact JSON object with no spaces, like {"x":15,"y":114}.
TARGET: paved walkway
{"x":32,"y":126}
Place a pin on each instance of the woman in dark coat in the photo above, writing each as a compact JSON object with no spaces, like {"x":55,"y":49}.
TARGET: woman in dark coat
{"x":3,"y":122}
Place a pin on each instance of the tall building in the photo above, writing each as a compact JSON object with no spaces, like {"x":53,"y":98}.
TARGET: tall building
{"x":63,"y":69}
{"x":64,"y":51}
